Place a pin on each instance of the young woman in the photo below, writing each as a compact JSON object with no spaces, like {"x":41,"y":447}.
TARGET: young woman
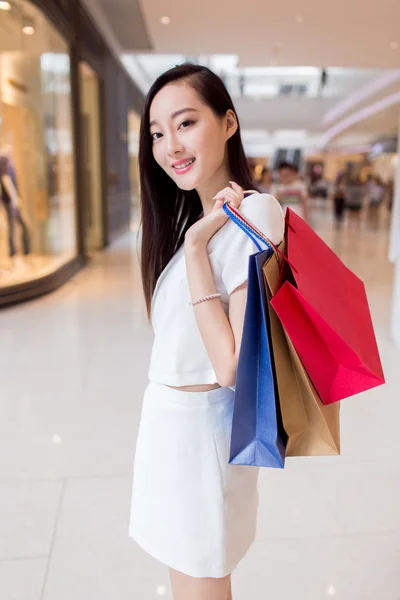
{"x":190,"y":509}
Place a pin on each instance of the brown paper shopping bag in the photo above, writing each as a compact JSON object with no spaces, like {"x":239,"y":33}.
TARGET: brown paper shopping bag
{"x":312,"y":427}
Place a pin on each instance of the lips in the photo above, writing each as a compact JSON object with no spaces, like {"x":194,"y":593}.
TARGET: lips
{"x":183,"y":163}
{"x":183,"y":166}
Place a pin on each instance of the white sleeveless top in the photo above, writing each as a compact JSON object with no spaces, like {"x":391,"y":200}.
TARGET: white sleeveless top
{"x":179,"y":357}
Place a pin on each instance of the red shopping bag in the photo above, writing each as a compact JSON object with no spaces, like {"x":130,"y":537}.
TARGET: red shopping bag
{"x":326,"y":316}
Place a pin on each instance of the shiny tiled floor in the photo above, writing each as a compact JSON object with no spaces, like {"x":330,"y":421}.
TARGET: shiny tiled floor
{"x":73,"y":368}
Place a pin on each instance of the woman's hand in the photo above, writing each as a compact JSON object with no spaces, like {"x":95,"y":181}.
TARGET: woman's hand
{"x":202,"y":231}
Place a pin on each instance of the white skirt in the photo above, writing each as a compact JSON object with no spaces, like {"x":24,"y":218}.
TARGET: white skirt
{"x":190,"y":509}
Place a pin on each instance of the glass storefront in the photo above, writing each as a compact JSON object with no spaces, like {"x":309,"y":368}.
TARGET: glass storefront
{"x":91,"y":155}
{"x":133,"y":151}
{"x":385,"y":166}
{"x":37,"y":180}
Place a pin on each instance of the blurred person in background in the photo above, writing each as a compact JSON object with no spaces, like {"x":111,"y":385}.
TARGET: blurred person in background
{"x":265,"y":183}
{"x":290,"y":191}
{"x":375,"y":195}
{"x":389,"y":194}
{"x":339,"y":198}
{"x":355,"y":197}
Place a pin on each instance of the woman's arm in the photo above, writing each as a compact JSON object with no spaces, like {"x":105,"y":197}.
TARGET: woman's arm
{"x":221,"y":336}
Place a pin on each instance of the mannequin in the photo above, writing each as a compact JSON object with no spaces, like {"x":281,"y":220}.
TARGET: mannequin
{"x":12,"y":202}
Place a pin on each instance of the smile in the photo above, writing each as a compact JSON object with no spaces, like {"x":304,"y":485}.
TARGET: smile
{"x":184,"y":167}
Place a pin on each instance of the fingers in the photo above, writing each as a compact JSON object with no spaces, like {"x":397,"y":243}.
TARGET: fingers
{"x":222,"y":193}
{"x":233,"y":195}
{"x":236,"y":187}
{"x":218,"y":204}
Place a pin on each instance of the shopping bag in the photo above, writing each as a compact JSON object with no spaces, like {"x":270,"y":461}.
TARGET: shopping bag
{"x":313,"y":429}
{"x":258,"y":437}
{"x":325,"y":312}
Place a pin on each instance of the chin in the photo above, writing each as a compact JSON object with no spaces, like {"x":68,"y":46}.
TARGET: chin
{"x":186,"y":188}
{"x":188,"y":185}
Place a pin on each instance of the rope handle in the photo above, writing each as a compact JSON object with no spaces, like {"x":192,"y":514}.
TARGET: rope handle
{"x":246,"y":226}
{"x":247,"y":230}
{"x":239,"y":219}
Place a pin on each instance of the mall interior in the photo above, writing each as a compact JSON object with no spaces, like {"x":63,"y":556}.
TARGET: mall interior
{"x":314,"y":85}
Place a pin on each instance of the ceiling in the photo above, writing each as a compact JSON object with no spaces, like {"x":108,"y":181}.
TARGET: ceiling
{"x":264,"y":109}
{"x":358,"y":44}
{"x":347,"y":33}
{"x":126,"y":19}
{"x":259,"y":82}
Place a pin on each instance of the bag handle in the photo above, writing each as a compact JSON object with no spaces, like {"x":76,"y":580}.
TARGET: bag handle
{"x":244,"y":226}
{"x":252,"y":231}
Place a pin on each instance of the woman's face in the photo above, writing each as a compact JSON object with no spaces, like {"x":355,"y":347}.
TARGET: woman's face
{"x":189,"y":140}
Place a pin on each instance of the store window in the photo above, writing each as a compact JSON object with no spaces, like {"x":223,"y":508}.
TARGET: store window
{"x":91,"y":157}
{"x":133,"y":150}
{"x":37,"y":195}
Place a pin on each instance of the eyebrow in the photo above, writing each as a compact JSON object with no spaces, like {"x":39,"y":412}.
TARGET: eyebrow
{"x":176,"y":114}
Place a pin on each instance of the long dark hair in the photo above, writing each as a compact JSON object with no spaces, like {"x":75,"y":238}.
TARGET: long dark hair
{"x":167,"y":211}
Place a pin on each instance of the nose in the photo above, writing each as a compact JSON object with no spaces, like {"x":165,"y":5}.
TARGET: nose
{"x":174,"y":146}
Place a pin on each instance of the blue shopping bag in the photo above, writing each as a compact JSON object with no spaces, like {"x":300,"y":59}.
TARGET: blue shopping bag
{"x":258,"y":437}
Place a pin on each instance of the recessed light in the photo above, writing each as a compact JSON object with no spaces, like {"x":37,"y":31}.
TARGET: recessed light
{"x":5,"y":5}
{"x":28,"y":30}
{"x":300,"y":19}
{"x":394,"y":45}
{"x":165,"y":20}
{"x":28,"y":26}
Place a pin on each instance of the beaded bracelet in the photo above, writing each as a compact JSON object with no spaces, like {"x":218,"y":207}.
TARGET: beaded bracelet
{"x":204,"y":298}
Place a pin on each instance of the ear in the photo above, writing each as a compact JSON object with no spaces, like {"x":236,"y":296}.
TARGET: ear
{"x":231,"y":123}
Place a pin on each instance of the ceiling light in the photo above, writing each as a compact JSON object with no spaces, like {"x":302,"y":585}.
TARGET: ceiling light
{"x":165,"y":20}
{"x":394,"y":45}
{"x":300,"y":19}
{"x":28,"y":30}
{"x":5,"y":5}
{"x":28,"y":26}
{"x":290,"y":133}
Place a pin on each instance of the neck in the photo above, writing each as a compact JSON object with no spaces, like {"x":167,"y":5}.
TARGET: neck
{"x":210,"y":188}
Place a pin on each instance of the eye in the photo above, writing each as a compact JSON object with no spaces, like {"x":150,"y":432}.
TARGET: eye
{"x":154,"y":136}
{"x":186,"y":123}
